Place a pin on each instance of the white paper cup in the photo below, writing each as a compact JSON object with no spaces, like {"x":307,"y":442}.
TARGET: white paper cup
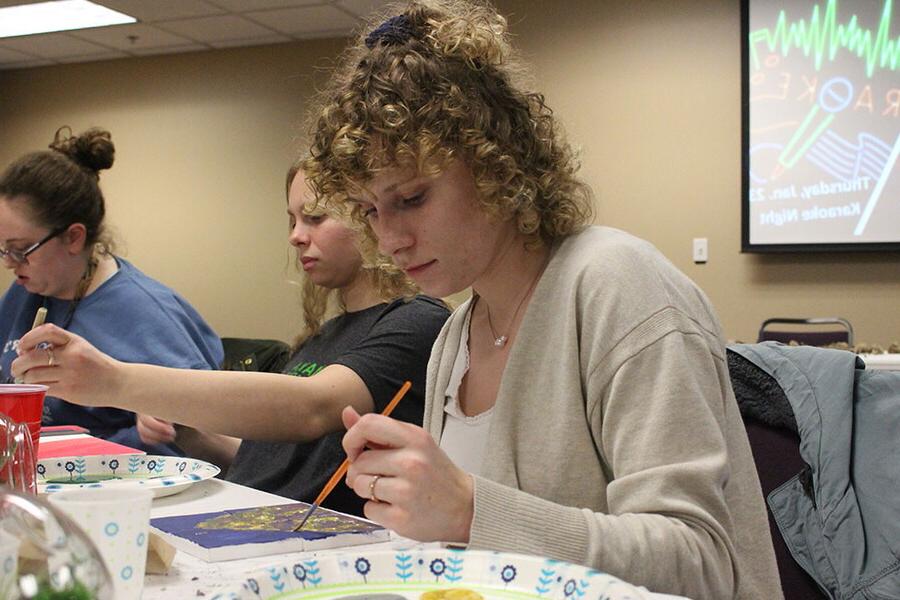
{"x":117,"y":521}
{"x":9,"y":559}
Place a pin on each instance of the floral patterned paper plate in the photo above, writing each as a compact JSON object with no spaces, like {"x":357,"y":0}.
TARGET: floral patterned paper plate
{"x":164,"y":475}
{"x":430,"y":574}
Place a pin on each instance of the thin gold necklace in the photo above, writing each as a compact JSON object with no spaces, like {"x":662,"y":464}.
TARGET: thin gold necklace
{"x":86,"y":278}
{"x":500,"y":340}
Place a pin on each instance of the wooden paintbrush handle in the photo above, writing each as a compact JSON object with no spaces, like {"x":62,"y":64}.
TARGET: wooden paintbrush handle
{"x":342,"y":470}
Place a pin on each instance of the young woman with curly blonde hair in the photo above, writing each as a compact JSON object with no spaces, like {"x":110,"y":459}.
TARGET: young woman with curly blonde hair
{"x":579,"y":405}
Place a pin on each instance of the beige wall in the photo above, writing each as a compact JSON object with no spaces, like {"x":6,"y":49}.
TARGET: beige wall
{"x":649,"y":90}
{"x":202,"y":144}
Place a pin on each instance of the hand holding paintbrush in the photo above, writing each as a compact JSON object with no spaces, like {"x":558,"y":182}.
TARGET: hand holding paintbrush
{"x":414,"y":488}
{"x":342,"y":470}
{"x":39,"y":317}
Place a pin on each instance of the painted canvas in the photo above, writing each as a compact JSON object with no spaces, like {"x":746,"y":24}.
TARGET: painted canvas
{"x":264,"y":530}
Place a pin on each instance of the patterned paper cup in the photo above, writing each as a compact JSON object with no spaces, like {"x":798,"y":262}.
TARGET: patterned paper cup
{"x":117,"y":521}
{"x":9,"y":558}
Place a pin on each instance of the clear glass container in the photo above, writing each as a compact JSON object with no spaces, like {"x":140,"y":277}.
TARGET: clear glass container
{"x":46,"y":556}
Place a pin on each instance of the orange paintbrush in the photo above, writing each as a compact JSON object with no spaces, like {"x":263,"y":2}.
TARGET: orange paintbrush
{"x":342,"y":470}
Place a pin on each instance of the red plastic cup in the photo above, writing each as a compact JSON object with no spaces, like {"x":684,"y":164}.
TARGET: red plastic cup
{"x":24,"y":403}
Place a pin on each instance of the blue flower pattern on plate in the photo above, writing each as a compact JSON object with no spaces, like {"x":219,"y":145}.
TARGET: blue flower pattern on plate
{"x":102,"y":471}
{"x":278,"y":578}
{"x":546,"y":579}
{"x":454,"y":567}
{"x":437,"y":568}
{"x":409,"y":572}
{"x":254,"y":585}
{"x":134,"y":463}
{"x":508,"y":574}
{"x":403,"y":565}
{"x":362,"y":567}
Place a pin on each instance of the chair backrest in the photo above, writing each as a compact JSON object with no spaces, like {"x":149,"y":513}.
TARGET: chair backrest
{"x":809,"y":332}
{"x":246,"y":354}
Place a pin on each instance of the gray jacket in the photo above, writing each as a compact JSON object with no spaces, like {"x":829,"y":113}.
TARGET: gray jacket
{"x":843,"y":525}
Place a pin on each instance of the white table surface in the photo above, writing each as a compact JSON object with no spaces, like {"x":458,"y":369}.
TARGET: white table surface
{"x":888,"y":362}
{"x":191,"y":577}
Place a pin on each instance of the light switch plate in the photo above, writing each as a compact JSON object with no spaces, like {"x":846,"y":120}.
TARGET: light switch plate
{"x":701,"y":250}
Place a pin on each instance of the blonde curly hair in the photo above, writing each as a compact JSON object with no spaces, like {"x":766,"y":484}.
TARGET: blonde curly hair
{"x":439,"y":81}
{"x":318,"y":302}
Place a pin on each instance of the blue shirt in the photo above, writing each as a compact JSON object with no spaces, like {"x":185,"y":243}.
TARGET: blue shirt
{"x":130,"y":317}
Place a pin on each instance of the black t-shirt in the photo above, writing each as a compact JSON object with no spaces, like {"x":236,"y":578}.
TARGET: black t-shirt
{"x":385,"y":345}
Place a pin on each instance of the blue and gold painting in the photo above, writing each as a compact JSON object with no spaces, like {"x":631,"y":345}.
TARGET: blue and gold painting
{"x":230,"y":530}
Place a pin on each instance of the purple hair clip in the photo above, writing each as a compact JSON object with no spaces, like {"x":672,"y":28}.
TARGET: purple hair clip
{"x":396,"y":30}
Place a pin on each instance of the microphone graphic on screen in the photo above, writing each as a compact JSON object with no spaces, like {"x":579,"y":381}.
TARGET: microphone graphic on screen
{"x":835,"y":95}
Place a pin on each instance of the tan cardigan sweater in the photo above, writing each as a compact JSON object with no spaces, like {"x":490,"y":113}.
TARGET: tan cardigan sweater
{"x":616,"y":441}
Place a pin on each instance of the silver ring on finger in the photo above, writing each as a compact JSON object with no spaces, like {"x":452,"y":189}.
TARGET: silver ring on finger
{"x":372,"y":495}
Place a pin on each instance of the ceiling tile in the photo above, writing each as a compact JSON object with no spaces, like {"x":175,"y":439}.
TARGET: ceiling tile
{"x":37,"y":62}
{"x":255,"y":41}
{"x":170,"y":49}
{"x":217,"y":29}
{"x":131,"y":37}
{"x":52,"y":45}
{"x":248,"y":5}
{"x":8,"y":55}
{"x":306,"y":20}
{"x":171,"y":26}
{"x":162,"y":10}
{"x":108,"y":55}
{"x":362,"y":8}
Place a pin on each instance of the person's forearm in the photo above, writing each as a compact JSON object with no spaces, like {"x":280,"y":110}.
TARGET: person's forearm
{"x":212,"y":447}
{"x":262,"y":406}
{"x":258,"y":406}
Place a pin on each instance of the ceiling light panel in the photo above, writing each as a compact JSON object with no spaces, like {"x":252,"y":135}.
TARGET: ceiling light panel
{"x":62,"y":15}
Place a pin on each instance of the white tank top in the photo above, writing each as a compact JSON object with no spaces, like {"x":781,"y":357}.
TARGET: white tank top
{"x":464,"y":438}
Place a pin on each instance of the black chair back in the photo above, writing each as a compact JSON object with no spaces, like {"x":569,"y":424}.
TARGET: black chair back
{"x":808,"y":332}
{"x":246,"y":354}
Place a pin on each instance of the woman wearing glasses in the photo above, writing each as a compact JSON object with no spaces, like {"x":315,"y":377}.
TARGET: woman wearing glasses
{"x":52,"y":237}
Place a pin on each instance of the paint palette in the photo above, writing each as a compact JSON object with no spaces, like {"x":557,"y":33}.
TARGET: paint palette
{"x":163,"y":475}
{"x":431,"y":574}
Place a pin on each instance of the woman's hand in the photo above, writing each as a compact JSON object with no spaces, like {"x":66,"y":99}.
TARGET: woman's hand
{"x":70,"y":366}
{"x":412,"y":486}
{"x":155,"y":431}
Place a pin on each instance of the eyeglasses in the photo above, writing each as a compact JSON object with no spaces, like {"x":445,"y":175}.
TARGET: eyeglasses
{"x":20,"y":257}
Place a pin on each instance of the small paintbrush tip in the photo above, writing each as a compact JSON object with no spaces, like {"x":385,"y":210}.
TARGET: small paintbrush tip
{"x":306,"y":517}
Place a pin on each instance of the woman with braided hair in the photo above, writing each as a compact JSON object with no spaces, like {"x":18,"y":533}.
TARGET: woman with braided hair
{"x":52,"y":237}
{"x":578,"y":406}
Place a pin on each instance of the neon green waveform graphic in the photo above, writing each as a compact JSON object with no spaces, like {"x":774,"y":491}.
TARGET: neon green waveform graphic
{"x":823,"y":36}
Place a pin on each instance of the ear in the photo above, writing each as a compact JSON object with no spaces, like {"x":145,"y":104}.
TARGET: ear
{"x":74,"y":237}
